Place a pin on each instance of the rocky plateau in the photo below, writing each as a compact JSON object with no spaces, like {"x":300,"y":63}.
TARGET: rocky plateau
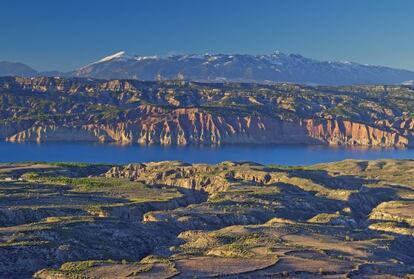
{"x":347,"y":219}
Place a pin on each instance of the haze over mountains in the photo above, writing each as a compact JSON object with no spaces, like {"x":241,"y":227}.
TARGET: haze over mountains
{"x":275,"y":67}
{"x":16,"y":69}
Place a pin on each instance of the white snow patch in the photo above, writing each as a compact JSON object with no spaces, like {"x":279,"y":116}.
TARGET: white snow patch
{"x":112,"y":57}
{"x":141,"y":58}
{"x":118,"y":55}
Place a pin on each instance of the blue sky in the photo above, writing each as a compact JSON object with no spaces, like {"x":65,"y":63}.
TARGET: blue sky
{"x":62,"y":35}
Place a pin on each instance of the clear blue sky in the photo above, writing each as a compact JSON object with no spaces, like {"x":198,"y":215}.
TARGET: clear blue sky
{"x":62,"y":35}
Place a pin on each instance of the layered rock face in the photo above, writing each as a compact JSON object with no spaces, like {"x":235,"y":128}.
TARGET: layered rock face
{"x":351,"y":133}
{"x":185,"y":113}
{"x":180,"y":127}
{"x":191,"y":126}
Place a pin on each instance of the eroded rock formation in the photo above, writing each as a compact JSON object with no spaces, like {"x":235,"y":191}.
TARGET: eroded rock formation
{"x":46,"y":109}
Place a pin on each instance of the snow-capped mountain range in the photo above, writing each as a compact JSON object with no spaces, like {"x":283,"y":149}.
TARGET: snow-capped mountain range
{"x":275,"y":67}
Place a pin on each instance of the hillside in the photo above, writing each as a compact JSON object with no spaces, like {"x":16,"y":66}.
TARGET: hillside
{"x":180,"y":113}
{"x":348,"y":219}
{"x":16,"y":69}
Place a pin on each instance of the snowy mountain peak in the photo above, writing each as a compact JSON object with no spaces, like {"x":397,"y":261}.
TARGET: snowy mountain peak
{"x":112,"y":57}
{"x":117,"y":55}
{"x":274,"y":67}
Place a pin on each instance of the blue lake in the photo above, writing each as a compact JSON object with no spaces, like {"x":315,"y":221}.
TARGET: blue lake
{"x":122,"y":154}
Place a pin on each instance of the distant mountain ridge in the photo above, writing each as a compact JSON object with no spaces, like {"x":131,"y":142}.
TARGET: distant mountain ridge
{"x":16,"y":69}
{"x":269,"y":68}
{"x":8,"y":68}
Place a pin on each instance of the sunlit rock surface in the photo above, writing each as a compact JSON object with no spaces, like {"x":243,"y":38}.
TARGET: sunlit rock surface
{"x":181,"y":113}
{"x":161,"y":219}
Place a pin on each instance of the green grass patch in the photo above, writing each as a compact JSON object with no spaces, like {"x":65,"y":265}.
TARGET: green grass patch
{"x":121,"y":188}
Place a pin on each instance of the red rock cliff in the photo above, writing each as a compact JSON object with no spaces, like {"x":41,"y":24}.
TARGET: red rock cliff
{"x":194,"y":126}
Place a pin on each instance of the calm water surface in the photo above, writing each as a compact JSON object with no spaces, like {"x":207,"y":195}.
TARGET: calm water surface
{"x":122,"y":154}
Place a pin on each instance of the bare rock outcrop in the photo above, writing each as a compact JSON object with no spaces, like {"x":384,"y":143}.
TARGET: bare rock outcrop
{"x":194,"y":126}
{"x":181,"y":113}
